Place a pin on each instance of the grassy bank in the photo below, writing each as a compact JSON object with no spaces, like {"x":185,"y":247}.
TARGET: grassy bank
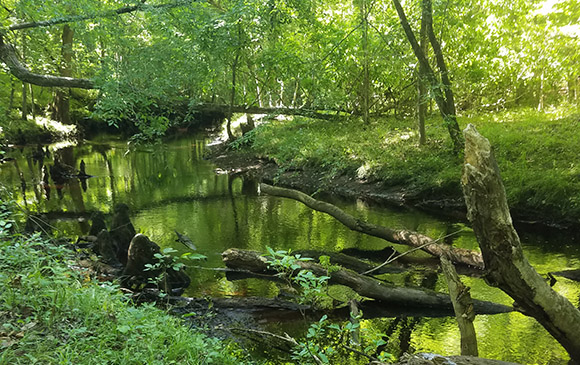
{"x":52,"y":313}
{"x":537,"y":153}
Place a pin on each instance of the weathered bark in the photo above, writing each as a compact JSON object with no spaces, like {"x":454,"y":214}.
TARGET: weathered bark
{"x":365,"y":286}
{"x":507,"y":267}
{"x":441,"y":96}
{"x":463,"y":307}
{"x":410,"y":238}
{"x":8,"y":56}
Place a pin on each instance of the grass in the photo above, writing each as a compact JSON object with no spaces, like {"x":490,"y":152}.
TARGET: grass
{"x":53,"y":314}
{"x":537,"y":153}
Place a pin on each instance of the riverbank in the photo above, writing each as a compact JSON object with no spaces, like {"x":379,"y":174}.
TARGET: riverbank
{"x":382,"y":162}
{"x":53,"y":311}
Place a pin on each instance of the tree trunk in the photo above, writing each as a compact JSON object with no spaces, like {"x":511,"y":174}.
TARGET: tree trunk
{"x":463,"y":308}
{"x":32,"y":107}
{"x":443,"y":98}
{"x":506,"y":265}
{"x":12,"y":91}
{"x":422,"y":95}
{"x":61,"y":103}
{"x":367,"y":287}
{"x":365,"y":43}
{"x":404,"y":237}
{"x":24,"y":108}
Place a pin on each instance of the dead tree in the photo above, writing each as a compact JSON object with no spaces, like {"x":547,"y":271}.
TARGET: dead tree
{"x":506,"y":266}
{"x":463,"y":308}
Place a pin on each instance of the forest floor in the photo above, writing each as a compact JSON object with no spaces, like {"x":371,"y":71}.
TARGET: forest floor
{"x":382,"y":163}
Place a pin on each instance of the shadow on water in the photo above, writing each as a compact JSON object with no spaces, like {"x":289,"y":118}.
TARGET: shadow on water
{"x":172,"y":188}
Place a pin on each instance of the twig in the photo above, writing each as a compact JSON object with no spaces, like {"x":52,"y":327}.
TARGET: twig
{"x":391,"y":258}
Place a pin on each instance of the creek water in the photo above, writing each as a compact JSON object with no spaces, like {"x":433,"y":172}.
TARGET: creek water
{"x":171,"y":187}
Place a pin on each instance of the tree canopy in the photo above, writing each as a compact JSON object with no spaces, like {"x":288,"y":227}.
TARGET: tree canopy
{"x":147,"y":57}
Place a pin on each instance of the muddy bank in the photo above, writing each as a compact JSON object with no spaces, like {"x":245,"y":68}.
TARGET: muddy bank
{"x":316,"y":180}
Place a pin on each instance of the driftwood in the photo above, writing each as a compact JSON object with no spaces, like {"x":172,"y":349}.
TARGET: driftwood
{"x":463,"y":308}
{"x":506,"y":265}
{"x":363,"y":285}
{"x":404,"y":237}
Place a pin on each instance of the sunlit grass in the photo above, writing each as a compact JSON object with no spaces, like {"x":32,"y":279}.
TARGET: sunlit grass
{"x":52,"y":314}
{"x":537,"y":153}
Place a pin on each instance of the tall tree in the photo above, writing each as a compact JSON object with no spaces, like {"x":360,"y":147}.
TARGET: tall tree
{"x":61,"y":105}
{"x":441,"y":91}
{"x":422,"y":95}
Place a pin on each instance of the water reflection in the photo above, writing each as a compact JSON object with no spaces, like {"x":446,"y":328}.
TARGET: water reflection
{"x":171,"y":187}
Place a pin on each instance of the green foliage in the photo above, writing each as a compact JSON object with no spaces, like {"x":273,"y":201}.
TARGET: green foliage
{"x":325,"y":342}
{"x":53,"y":313}
{"x":331,"y":343}
{"x":167,"y":261}
{"x":312,"y":287}
{"x":536,"y":152}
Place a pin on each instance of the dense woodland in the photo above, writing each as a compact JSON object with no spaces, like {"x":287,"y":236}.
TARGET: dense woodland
{"x":373,"y":92}
{"x":152,"y":61}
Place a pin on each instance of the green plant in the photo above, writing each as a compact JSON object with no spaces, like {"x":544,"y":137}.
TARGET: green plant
{"x":329,"y":343}
{"x":52,"y":311}
{"x":167,"y":261}
{"x":312,"y":287}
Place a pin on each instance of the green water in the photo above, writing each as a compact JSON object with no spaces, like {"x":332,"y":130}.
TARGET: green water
{"x":171,"y":187}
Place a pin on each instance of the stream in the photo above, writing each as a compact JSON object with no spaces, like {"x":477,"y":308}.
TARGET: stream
{"x":171,"y":187}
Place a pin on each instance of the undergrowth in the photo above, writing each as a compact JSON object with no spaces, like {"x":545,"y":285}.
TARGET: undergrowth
{"x":53,"y":313}
{"x":536,"y":152}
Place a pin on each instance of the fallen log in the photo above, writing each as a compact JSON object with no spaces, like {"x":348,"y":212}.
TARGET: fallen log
{"x":310,"y":113}
{"x":363,"y":285}
{"x":404,"y":237}
{"x":8,"y":56}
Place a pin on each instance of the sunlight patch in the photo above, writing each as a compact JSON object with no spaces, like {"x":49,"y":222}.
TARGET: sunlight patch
{"x":54,"y":125}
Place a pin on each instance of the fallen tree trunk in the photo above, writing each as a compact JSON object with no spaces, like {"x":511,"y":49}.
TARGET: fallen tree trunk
{"x":8,"y":56}
{"x":365,"y":286}
{"x":311,"y":113}
{"x":506,"y":265}
{"x":404,"y":237}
